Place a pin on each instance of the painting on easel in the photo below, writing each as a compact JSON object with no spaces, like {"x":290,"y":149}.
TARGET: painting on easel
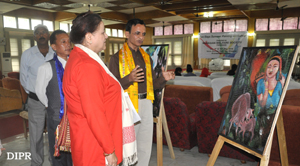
{"x":256,"y":95}
{"x":159,"y":56}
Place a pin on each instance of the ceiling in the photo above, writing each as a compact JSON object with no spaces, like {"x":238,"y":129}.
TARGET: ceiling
{"x":158,"y":12}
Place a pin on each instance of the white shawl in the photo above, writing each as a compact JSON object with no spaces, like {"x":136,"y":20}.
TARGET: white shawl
{"x":129,"y":140}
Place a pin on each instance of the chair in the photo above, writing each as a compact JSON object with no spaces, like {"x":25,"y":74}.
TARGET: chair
{"x":187,"y":82}
{"x":12,"y":83}
{"x":190,"y":95}
{"x":197,"y":73}
{"x":218,"y":73}
{"x":208,"y":121}
{"x":292,"y":97}
{"x":15,"y":75}
{"x":10,"y":100}
{"x":224,"y":93}
{"x":293,"y":85}
{"x":291,"y":116}
{"x":181,"y":125}
{"x":218,"y":83}
{"x":203,"y":80}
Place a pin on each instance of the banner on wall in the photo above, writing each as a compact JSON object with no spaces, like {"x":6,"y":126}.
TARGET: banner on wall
{"x":222,"y":45}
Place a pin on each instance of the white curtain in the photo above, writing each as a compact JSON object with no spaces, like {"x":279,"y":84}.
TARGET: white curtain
{"x":187,"y":51}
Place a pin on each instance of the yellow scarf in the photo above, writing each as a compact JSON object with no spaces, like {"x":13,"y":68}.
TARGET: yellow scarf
{"x":126,"y":65}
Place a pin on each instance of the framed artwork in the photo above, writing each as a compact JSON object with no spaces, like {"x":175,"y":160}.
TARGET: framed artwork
{"x":159,"y":55}
{"x":256,"y":95}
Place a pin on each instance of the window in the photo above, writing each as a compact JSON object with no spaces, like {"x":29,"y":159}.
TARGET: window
{"x":23,"y":23}
{"x":261,"y":24}
{"x":188,"y":28}
{"x":15,"y":64}
{"x":169,"y":63}
{"x":289,"y":42}
{"x":14,"y":47}
{"x":177,"y":47}
{"x":114,"y":32}
{"x":168,"y":30}
{"x":226,"y":62}
{"x":108,"y":31}
{"x":116,"y":47}
{"x":14,"y":54}
{"x":241,"y":25}
{"x":34,"y":23}
{"x":175,"y":51}
{"x":260,"y":42}
{"x":205,"y":27}
{"x":229,"y":25}
{"x":290,"y":23}
{"x":25,"y":44}
{"x":274,"y":42}
{"x":177,"y":60}
{"x":120,"y":33}
{"x":217,"y":26}
{"x":9,"y":22}
{"x":49,"y":25}
{"x":178,"y":29}
{"x":275,"y":24}
{"x":70,"y":26}
{"x":110,"y":49}
{"x":64,"y":27}
{"x":170,"y":46}
{"x":158,"y":31}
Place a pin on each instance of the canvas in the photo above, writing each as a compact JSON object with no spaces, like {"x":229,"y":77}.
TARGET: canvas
{"x":159,"y":55}
{"x":256,"y":95}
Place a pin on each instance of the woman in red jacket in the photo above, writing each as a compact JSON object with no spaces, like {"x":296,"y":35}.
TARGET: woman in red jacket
{"x":94,"y":97}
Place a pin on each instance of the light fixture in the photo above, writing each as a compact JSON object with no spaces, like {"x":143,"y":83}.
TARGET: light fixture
{"x":208,"y":14}
{"x":251,"y":34}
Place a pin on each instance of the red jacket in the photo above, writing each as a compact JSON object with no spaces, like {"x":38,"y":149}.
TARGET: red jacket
{"x":94,"y":110}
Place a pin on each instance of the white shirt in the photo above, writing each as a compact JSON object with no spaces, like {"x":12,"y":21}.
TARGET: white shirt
{"x":31,"y":60}
{"x":44,"y":75}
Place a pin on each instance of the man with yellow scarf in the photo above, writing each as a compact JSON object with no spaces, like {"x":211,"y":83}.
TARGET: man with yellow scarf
{"x":132,"y":66}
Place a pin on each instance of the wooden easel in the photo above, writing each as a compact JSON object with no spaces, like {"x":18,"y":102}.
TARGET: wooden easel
{"x":266,"y":155}
{"x":161,"y":122}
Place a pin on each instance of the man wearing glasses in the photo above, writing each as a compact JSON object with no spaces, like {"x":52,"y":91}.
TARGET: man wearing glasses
{"x":31,"y":60}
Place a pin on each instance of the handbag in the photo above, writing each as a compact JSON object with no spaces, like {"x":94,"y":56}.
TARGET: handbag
{"x":62,"y":134}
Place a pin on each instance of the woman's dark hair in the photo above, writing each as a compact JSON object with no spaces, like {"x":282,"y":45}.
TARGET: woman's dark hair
{"x":82,"y":24}
{"x":178,"y":71}
{"x":279,"y":72}
{"x":134,"y":22}
{"x":189,"y":68}
{"x":53,"y":36}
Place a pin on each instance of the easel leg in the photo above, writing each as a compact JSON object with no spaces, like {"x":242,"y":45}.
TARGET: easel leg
{"x":159,"y":142}
{"x":264,"y":160}
{"x":282,"y":140}
{"x":213,"y":157}
{"x":166,"y":131}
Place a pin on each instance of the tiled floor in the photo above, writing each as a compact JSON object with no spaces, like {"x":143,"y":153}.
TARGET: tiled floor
{"x":185,"y":158}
